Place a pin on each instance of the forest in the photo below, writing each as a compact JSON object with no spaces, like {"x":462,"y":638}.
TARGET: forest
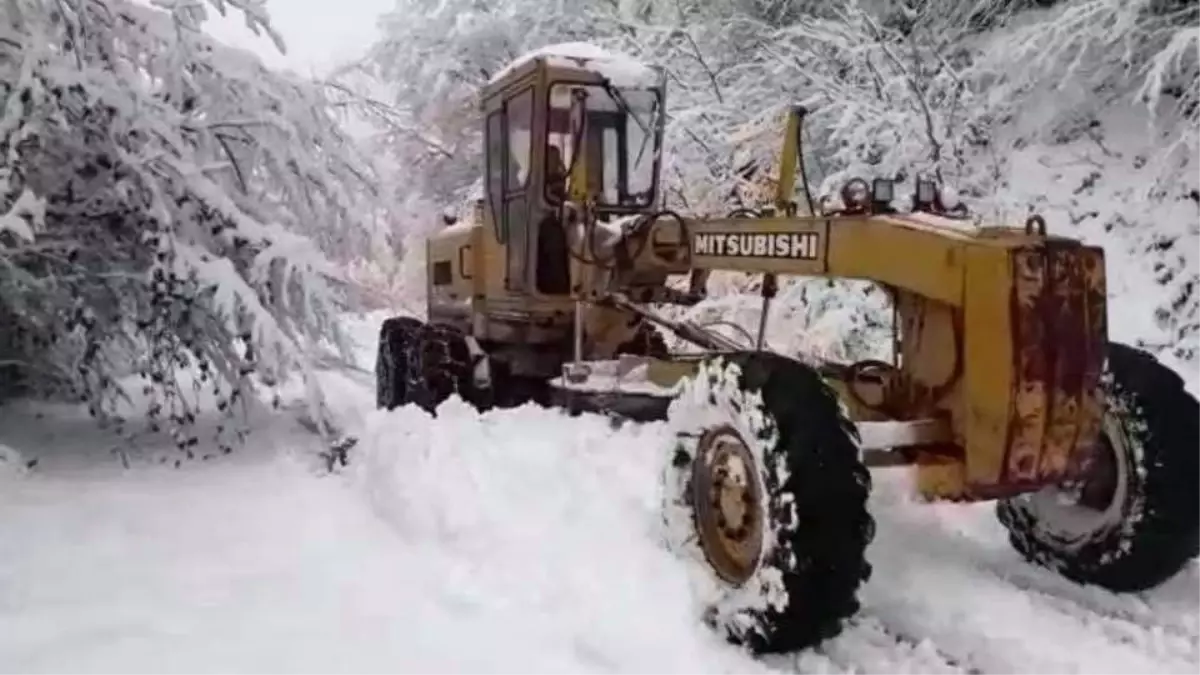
{"x":168,"y":203}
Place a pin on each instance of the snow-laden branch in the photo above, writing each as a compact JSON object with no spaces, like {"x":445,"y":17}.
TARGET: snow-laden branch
{"x":194,"y":197}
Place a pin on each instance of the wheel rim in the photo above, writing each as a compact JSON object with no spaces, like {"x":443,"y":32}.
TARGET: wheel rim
{"x":1074,"y":512}
{"x":728,"y":504}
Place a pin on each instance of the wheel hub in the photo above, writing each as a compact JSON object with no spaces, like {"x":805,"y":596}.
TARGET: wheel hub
{"x":1076,"y":510}
{"x":1098,"y":486}
{"x":728,"y":503}
{"x":1095,"y":485}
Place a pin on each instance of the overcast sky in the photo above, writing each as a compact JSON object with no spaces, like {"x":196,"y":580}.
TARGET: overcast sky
{"x":317,"y":32}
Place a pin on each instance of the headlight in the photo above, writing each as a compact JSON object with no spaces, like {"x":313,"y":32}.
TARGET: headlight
{"x":856,"y":194}
{"x":926,"y":193}
{"x":883,"y":191}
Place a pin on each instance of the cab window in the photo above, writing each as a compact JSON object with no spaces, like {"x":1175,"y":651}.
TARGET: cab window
{"x":519,"y":111}
{"x":496,"y":152}
{"x":621,"y":139}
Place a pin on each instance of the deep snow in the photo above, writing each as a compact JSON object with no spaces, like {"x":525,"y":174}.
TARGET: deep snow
{"x":518,"y":540}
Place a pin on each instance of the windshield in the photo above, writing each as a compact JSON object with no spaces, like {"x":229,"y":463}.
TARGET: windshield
{"x":622,"y":137}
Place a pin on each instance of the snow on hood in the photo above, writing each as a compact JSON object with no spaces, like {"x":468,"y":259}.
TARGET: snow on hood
{"x":620,"y":69}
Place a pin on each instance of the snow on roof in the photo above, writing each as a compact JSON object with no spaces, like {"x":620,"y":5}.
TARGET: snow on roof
{"x":940,"y":222}
{"x":620,"y":69}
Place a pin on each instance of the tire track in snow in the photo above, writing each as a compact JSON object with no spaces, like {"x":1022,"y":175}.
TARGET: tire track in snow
{"x":871,"y":644}
{"x":945,"y":573}
{"x":1126,"y":619}
{"x":866,"y":645}
{"x":1161,"y":640}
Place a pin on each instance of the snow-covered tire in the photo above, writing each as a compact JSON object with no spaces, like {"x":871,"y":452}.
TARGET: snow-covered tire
{"x":807,"y":529}
{"x":1145,"y":525}
{"x":391,"y":362}
{"x":441,"y":364}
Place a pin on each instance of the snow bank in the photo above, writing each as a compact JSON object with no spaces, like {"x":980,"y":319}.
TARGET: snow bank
{"x":547,"y":526}
{"x":621,"y":70}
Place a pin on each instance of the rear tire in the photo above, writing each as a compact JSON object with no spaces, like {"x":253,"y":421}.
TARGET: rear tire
{"x":442,"y":364}
{"x":1145,"y":526}
{"x":791,"y":585}
{"x":391,"y":362}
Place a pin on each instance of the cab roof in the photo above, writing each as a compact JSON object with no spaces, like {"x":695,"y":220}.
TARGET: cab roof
{"x":619,"y":69}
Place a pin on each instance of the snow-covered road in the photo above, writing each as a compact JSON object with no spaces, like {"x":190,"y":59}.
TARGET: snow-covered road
{"x":518,"y":540}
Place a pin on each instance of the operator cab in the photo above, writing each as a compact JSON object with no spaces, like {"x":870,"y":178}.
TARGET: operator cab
{"x":566,"y":123}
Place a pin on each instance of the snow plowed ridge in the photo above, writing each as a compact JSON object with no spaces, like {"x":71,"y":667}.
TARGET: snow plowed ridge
{"x":546,"y":525}
{"x":556,"y":518}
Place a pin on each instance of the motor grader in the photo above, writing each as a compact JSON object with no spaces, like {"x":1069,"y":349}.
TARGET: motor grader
{"x":1002,"y":384}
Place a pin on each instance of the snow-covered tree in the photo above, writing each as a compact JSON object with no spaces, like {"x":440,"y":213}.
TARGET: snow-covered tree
{"x":955,"y":89}
{"x":164,"y":203}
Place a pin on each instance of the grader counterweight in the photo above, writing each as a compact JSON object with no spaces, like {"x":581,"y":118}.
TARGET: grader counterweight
{"x":1002,"y":384}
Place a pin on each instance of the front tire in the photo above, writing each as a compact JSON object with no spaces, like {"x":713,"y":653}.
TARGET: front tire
{"x":765,"y":493}
{"x":1132,"y":523}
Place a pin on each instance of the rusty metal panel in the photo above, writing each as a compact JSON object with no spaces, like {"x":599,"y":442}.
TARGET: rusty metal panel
{"x":1058,"y":331}
{"x":1065,"y":315}
{"x":1095,"y":317}
{"x":1031,"y":363}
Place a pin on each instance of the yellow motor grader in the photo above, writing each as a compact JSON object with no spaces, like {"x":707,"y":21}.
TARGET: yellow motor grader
{"x":1002,"y":384}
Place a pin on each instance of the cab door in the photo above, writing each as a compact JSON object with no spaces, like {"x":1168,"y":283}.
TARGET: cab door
{"x":509,"y":141}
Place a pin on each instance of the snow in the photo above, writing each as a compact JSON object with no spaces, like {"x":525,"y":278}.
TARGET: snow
{"x":621,"y":70}
{"x":630,"y":377}
{"x":459,"y":227}
{"x":12,"y":464}
{"x":517,"y":540}
{"x":940,"y":222}
{"x":27,"y":206}
{"x":539,"y":573}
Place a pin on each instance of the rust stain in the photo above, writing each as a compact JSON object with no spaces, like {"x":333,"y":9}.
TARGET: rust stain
{"x":1066,"y":315}
{"x":1095,"y":317}
{"x":1031,"y":399}
{"x":1059,"y":334}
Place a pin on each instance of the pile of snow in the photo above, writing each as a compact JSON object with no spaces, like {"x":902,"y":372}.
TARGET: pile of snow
{"x":621,"y":70}
{"x":546,"y":526}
